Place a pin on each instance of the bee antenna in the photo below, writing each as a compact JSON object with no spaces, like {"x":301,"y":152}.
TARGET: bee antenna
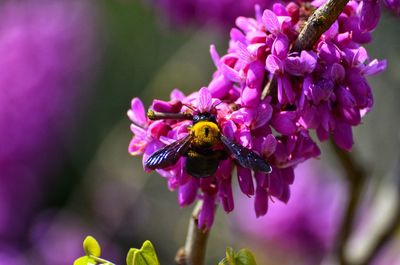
{"x":217,"y":103}
{"x":188,"y":106}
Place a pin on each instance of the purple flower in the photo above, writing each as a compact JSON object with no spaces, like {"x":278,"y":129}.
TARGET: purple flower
{"x":42,"y":44}
{"x":322,"y":89}
{"x":325,"y":87}
{"x":338,"y":95}
{"x":247,"y":126}
{"x":370,"y":13}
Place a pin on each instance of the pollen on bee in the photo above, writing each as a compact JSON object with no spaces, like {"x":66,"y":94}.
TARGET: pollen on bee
{"x":151,"y":115}
{"x":206,"y":131}
{"x":205,"y":134}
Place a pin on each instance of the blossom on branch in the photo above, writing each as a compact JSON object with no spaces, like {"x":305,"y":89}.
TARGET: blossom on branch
{"x":266,"y":99}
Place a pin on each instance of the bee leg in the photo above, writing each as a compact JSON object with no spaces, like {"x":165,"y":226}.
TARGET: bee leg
{"x":155,"y":115}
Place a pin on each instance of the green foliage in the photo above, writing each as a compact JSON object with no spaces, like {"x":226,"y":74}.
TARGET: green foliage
{"x":92,"y":250}
{"x":243,"y":257}
{"x":144,"y":256}
{"x":91,"y":246}
{"x":85,"y":260}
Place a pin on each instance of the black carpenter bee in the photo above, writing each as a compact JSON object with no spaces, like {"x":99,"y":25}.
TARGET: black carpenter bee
{"x":204,"y":147}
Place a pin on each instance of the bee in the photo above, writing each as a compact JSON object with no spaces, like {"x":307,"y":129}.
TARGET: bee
{"x":204,"y":148}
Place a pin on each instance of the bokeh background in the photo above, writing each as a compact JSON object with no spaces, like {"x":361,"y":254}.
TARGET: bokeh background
{"x":68,"y":70}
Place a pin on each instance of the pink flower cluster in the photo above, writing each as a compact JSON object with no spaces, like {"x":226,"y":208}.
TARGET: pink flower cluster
{"x":323,"y":89}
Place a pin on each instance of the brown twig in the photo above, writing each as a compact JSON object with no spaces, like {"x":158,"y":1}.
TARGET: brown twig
{"x":193,"y":253}
{"x":356,"y":179}
{"x":319,"y":22}
{"x":270,"y":88}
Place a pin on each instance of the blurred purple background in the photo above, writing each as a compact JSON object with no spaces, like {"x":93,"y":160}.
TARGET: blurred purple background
{"x":68,"y":71}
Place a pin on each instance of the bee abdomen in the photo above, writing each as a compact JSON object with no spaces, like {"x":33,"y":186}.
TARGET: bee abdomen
{"x":204,"y":164}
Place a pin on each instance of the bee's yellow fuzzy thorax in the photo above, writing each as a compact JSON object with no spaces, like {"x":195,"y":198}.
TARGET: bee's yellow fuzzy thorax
{"x":205,"y":134}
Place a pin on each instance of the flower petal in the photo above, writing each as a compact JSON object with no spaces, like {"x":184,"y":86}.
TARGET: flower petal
{"x":328,"y":52}
{"x":261,"y":201}
{"x":275,"y":186}
{"x":242,"y":52}
{"x":187,"y":193}
{"x":273,"y":64}
{"x":229,"y":129}
{"x":271,"y":21}
{"x":225,"y":194}
{"x":207,"y":212}
{"x":214,"y":55}
{"x":269,"y":145}
{"x":255,"y":75}
{"x":245,"y":180}
{"x":280,"y":47}
{"x":338,"y":73}
{"x":173,"y":106}
{"x":262,"y":115}
{"x":231,"y":74}
{"x":137,"y":114}
{"x":343,"y":136}
{"x":176,"y":94}
{"x":370,"y":13}
{"x":374,"y":67}
{"x":250,"y":96}
{"x":219,"y":86}
{"x":204,"y":100}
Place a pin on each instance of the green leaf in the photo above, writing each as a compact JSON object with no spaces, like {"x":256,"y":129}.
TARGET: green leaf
{"x":91,"y":247}
{"x":224,"y":262}
{"x":129,"y":257}
{"x":144,"y":256}
{"x":230,"y":257}
{"x":230,"y":254}
{"x":243,"y":257}
{"x":85,"y":260}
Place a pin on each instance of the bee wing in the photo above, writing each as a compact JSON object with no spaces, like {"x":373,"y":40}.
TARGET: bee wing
{"x":168,"y":155}
{"x":246,"y":157}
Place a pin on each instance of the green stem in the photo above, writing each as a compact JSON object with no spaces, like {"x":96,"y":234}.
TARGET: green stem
{"x":194,"y":251}
{"x":103,"y":261}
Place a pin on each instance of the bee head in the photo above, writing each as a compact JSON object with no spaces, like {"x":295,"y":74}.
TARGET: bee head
{"x":205,"y":116}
